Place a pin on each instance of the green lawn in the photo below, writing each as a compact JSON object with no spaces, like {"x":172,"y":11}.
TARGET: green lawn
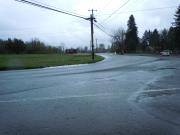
{"x":28,"y":61}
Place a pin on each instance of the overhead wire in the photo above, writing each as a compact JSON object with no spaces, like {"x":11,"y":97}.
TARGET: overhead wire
{"x":101,"y":29}
{"x":116,"y":10}
{"x":54,"y":7}
{"x":50,"y":8}
{"x":106,"y":4}
{"x":142,"y":10}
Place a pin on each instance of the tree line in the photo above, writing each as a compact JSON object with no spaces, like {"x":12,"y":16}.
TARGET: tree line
{"x":156,"y":41}
{"x":152,"y":41}
{"x":18,"y":46}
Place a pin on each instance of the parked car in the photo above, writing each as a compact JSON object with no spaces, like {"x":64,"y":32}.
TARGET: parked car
{"x":165,"y":53}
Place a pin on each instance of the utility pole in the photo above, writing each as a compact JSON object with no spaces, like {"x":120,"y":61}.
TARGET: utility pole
{"x":92,"y":19}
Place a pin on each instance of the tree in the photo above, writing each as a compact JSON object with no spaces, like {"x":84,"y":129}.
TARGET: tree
{"x":19,"y":46}
{"x":145,"y":39}
{"x":171,"y":39}
{"x":36,"y":46}
{"x":131,"y":40}
{"x":164,"y":40}
{"x":177,"y":28}
{"x":118,"y":41}
{"x":155,"y":40}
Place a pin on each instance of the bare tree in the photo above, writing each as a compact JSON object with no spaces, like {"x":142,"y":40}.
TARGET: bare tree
{"x":118,"y":41}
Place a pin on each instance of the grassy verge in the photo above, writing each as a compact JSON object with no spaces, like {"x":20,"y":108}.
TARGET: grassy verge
{"x":28,"y":61}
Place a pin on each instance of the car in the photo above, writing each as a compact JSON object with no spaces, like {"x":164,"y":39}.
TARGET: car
{"x":165,"y":53}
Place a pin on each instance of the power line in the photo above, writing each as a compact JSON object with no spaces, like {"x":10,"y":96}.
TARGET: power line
{"x":39,"y":2}
{"x":50,"y":8}
{"x":116,"y":10}
{"x":54,"y":7}
{"x":106,"y":4}
{"x":143,"y":10}
{"x":95,"y":24}
{"x":101,"y":25}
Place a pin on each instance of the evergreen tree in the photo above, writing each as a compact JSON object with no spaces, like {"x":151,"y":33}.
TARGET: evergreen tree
{"x":155,"y":40}
{"x":171,"y":39}
{"x":145,"y":39}
{"x":177,"y":28}
{"x":131,"y":35}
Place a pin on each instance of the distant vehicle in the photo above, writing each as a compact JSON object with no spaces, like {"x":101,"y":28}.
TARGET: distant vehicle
{"x":165,"y":53}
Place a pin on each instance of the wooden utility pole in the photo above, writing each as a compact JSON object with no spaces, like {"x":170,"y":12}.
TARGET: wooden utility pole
{"x":92,"y":19}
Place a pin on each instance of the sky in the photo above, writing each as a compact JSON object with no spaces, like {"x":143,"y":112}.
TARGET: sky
{"x":19,"y":20}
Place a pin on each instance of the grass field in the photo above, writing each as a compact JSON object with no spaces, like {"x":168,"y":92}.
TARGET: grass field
{"x":28,"y":61}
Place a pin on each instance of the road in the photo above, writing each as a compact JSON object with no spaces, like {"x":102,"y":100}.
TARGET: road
{"x":122,"y":95}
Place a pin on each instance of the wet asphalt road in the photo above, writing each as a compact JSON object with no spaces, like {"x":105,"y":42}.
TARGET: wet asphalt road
{"x":122,"y":95}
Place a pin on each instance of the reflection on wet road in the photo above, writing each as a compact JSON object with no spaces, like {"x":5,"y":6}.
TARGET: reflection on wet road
{"x":122,"y":95}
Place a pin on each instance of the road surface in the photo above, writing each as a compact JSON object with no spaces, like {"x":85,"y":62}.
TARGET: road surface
{"x":122,"y":95}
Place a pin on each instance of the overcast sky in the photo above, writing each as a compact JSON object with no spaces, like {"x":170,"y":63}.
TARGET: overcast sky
{"x":24,"y":21}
